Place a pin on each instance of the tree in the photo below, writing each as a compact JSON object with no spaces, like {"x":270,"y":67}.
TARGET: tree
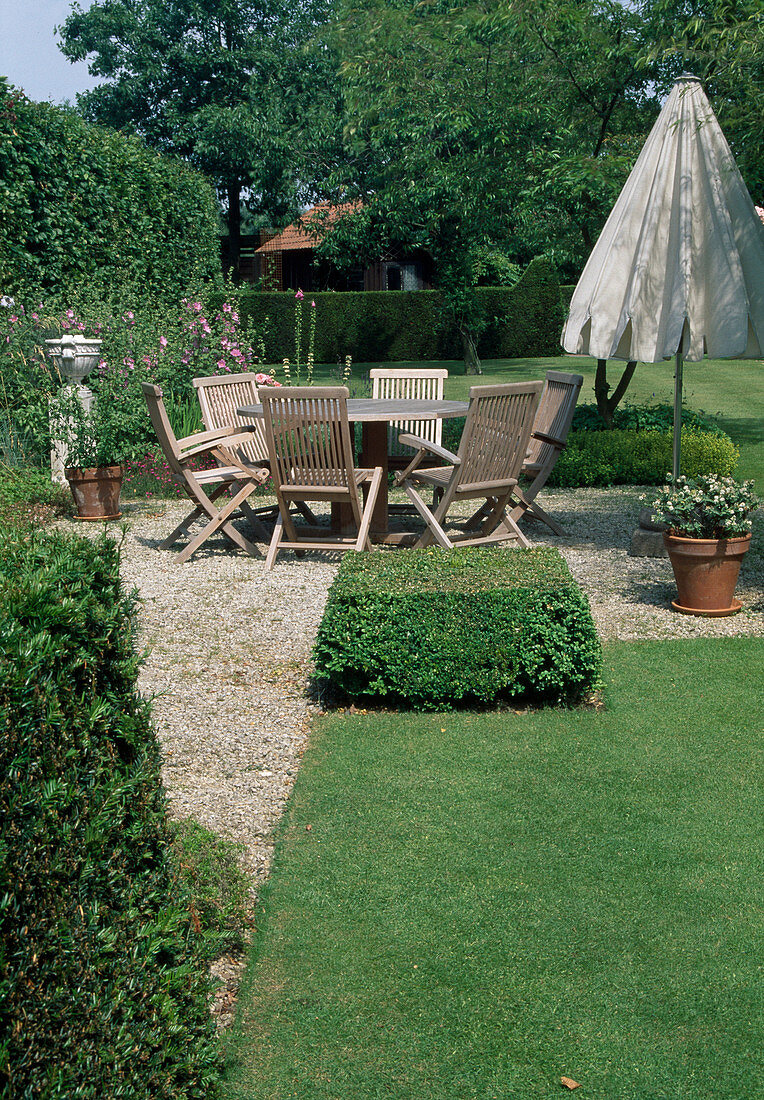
{"x":497,"y":123}
{"x":219,"y":82}
{"x":722,"y":43}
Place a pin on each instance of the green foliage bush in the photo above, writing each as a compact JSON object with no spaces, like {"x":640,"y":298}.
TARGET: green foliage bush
{"x":385,"y":326}
{"x":169,"y":344}
{"x":84,"y":206}
{"x":102,"y":984}
{"x":631,"y":457}
{"x":660,"y":417}
{"x":430,"y":630}
{"x":222,"y":898}
{"x":26,"y":495}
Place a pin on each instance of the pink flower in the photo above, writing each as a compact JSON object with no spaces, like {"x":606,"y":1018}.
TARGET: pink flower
{"x":163,"y":341}
{"x":299,"y":295}
{"x":197,"y":306}
{"x":226,"y":307}
{"x":222,"y":364}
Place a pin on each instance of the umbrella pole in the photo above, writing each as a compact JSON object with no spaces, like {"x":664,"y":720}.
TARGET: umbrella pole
{"x":678,"y":411}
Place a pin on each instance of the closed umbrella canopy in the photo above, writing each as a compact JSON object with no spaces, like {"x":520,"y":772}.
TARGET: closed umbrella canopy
{"x":679,"y":266}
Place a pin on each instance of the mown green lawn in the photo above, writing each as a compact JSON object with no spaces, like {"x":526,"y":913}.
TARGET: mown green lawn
{"x":474,"y":905}
{"x":730,"y":389}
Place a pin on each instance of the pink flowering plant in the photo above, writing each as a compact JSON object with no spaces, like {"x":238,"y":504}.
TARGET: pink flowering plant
{"x":706,"y":507}
{"x":287,"y":364}
{"x":217,"y":342}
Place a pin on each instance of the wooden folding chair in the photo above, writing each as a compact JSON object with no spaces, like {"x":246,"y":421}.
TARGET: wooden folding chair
{"x":548,"y":438}
{"x":311,"y":457}
{"x":219,"y":443}
{"x":487,"y":466}
{"x":412,"y":384}
{"x":220,"y":396}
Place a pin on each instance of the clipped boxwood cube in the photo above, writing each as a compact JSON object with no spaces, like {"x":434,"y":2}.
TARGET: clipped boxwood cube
{"x":433,"y":629}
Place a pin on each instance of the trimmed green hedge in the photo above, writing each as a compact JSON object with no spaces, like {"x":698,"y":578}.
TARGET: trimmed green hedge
{"x":103,"y":990}
{"x":635,"y":456}
{"x":82,"y":206}
{"x":631,"y":457}
{"x":433,"y":629}
{"x":390,"y":326}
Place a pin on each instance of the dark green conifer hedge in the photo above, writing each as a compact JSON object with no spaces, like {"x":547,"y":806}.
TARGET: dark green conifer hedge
{"x":401,"y":326}
{"x":102,"y":989}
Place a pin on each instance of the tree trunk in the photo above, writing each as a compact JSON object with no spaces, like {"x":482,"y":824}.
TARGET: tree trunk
{"x":606,"y":406}
{"x":470,"y":352}
{"x":234,"y":226}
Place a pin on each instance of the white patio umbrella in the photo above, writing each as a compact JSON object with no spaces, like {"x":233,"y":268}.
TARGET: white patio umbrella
{"x":678,"y":269}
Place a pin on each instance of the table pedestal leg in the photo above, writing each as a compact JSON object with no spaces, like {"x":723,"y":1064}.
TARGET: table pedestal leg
{"x":373,"y":453}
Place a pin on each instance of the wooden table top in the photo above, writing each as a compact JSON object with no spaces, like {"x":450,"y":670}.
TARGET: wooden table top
{"x":369,"y":409}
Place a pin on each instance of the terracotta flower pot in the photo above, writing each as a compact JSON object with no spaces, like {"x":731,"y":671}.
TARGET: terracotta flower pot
{"x":706,"y":572}
{"x":96,"y":491}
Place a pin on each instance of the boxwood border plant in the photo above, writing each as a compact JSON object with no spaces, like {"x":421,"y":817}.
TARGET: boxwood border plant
{"x":635,"y":457}
{"x":102,"y":979}
{"x":433,"y":629}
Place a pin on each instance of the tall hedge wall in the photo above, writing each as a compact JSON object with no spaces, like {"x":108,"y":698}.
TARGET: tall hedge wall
{"x":84,"y":206}
{"x":395,"y":326}
{"x":103,"y":993}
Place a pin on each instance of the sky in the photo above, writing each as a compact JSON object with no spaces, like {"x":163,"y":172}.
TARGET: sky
{"x":29,"y":56}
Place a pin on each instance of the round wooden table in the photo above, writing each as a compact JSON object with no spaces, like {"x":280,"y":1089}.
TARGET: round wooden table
{"x":374,"y":414}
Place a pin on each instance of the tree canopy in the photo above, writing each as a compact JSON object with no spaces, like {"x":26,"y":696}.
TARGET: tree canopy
{"x":219,"y":82}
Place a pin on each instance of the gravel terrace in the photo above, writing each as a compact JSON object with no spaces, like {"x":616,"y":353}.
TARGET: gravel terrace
{"x":229,"y":650}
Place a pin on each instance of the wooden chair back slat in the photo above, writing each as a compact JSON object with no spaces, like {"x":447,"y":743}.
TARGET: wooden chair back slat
{"x":308,"y":438}
{"x":219,"y":398}
{"x":168,"y":441}
{"x":408,"y":383}
{"x":496,"y":434}
{"x":554,"y":415}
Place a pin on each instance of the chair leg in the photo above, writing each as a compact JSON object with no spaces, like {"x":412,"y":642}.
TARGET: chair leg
{"x":363,"y":541}
{"x":305,"y":511}
{"x":501,"y":518}
{"x":184,"y":527}
{"x":537,"y":512}
{"x":434,"y":532}
{"x":477,"y":518}
{"x":219,"y":520}
{"x":273,"y":549}
{"x":260,"y":532}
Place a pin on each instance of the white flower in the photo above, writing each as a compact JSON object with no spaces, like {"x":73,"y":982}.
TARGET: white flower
{"x":7,"y":302}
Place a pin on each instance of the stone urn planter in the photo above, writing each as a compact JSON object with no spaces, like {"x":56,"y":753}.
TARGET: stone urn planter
{"x":75,"y":356}
{"x":706,"y":573}
{"x":96,"y":491}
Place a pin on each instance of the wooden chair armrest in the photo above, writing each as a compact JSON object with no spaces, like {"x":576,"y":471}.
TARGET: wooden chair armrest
{"x":427,"y":445}
{"x":549,"y":439}
{"x":207,"y":441}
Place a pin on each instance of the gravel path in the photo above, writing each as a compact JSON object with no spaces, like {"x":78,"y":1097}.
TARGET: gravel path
{"x":229,"y":645}
{"x":229,"y":650}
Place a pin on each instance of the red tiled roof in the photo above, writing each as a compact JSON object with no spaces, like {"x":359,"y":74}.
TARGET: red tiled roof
{"x":294,"y":236}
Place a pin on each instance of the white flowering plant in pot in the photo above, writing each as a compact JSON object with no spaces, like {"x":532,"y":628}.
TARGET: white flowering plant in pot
{"x":706,"y":507}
